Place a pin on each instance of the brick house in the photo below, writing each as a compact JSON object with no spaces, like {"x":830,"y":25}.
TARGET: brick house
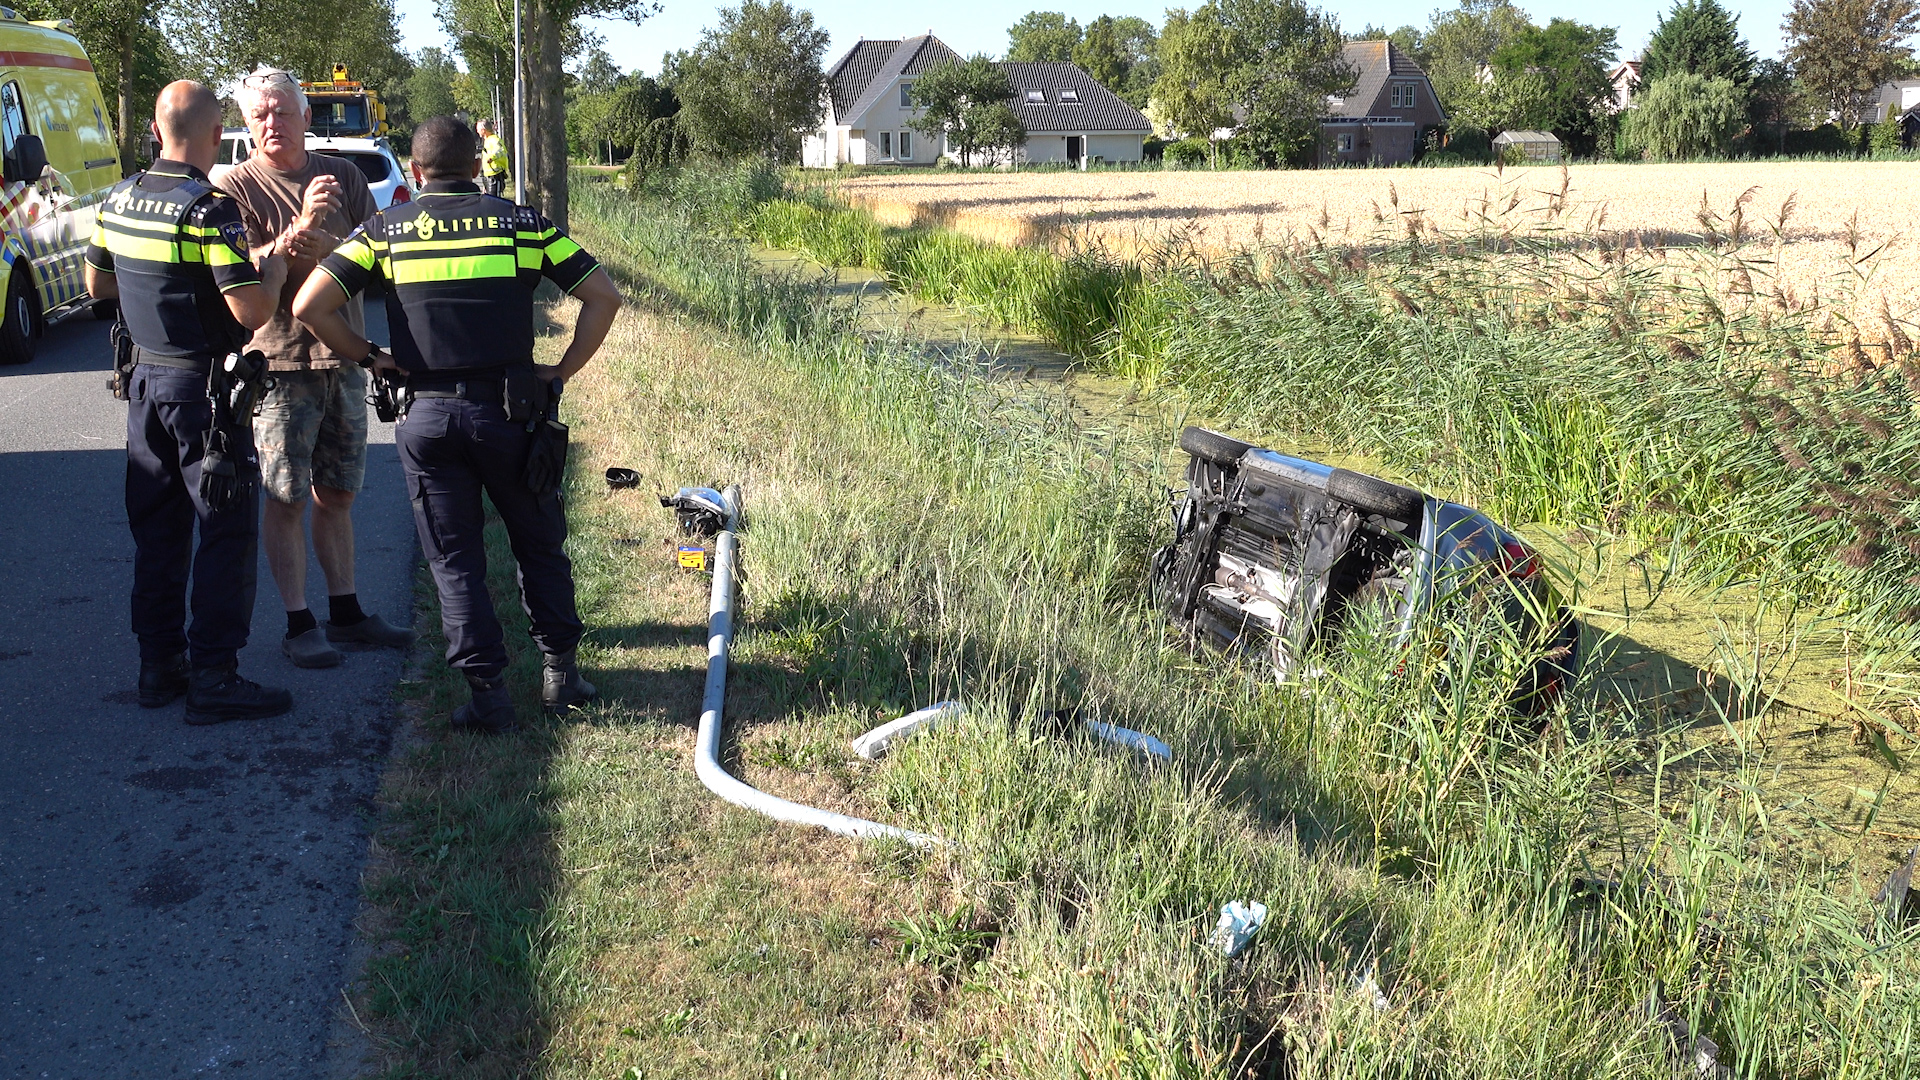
{"x":1386,"y":116}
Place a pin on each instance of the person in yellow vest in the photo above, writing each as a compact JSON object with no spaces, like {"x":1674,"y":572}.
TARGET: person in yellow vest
{"x":493,"y":161}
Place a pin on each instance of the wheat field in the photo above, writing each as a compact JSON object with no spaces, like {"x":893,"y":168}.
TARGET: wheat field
{"x":1836,"y":236}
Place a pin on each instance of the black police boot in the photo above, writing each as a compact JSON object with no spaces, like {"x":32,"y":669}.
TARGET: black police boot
{"x":561,"y":686}
{"x":217,"y":695}
{"x":162,"y":680}
{"x":491,"y":710}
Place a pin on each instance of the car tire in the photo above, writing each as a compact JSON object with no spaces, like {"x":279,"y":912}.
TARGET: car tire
{"x":1376,"y":496}
{"x":20,"y":331}
{"x":106,"y":310}
{"x":1212,"y":446}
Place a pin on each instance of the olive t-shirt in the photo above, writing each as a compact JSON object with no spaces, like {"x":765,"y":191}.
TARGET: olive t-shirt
{"x":269,"y":203}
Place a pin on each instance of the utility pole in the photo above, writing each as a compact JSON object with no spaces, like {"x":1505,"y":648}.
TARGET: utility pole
{"x":519,"y":114}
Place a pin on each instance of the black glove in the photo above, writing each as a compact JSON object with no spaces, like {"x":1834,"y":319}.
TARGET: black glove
{"x":227,"y":471}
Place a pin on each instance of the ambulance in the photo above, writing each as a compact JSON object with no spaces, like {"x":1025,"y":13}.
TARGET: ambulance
{"x":58,"y":160}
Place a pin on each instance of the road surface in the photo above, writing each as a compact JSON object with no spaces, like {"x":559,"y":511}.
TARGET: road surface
{"x":174,"y":900}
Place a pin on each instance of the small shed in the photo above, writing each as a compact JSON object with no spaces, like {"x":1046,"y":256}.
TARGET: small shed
{"x":1529,"y":146}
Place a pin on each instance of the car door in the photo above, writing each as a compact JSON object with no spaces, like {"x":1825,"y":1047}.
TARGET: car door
{"x":35,"y":222}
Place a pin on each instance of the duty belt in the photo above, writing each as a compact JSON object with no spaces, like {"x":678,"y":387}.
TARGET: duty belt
{"x":486,"y":390}
{"x":202,"y":363}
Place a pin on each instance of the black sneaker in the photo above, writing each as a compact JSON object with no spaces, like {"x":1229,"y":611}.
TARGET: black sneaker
{"x":561,"y":686}
{"x":161,"y":681}
{"x":372,"y":630}
{"x":217,"y":695}
{"x":491,"y":710}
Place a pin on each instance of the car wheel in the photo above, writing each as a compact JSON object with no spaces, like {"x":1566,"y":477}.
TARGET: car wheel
{"x":21,"y":328}
{"x":106,"y":310}
{"x":1376,"y":496}
{"x":1212,"y":446}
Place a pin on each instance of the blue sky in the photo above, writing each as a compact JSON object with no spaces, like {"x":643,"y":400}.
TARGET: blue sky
{"x":981,"y":25}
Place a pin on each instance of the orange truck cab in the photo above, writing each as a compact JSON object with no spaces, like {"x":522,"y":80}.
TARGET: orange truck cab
{"x":58,"y":160}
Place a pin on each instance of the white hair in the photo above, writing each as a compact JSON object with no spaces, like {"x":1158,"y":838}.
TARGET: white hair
{"x":260,"y":82}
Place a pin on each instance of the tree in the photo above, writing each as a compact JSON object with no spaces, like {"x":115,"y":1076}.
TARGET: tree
{"x":1701,"y":37}
{"x":1192,"y":96}
{"x":1099,"y":54}
{"x":968,"y":104}
{"x":1042,"y":35}
{"x":1285,"y":60}
{"x":1572,"y":60}
{"x":753,"y":83}
{"x":483,"y":32}
{"x":1140,"y":44}
{"x":1682,"y":115}
{"x":429,"y":89}
{"x":1841,"y":50}
{"x":220,"y":40}
{"x":1460,"y":42}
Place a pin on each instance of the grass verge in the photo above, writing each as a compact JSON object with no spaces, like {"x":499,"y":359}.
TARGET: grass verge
{"x":1450,"y":896}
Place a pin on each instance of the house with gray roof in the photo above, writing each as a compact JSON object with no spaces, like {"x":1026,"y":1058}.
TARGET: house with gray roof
{"x":867,"y":110}
{"x":1385,"y":117}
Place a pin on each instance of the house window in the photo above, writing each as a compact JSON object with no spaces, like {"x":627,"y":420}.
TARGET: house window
{"x":1036,"y":97}
{"x":1069,"y":95}
{"x":906,"y":146}
{"x":906,"y":95}
{"x":1403,"y":95}
{"x":1343,"y":143}
{"x":886,"y":145}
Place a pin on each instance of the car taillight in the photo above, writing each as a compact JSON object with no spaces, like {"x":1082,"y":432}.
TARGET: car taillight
{"x":401,"y":194}
{"x":1521,"y":561}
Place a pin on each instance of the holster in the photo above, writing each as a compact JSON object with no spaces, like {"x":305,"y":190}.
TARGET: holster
{"x":390,"y":397}
{"x":120,"y":382}
{"x":229,"y":464}
{"x":547,"y":449}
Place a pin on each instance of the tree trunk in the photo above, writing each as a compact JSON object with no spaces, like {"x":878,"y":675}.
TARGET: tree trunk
{"x":128,"y":141}
{"x":546,"y":113}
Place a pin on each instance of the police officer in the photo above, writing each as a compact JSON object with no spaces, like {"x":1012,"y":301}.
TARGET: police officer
{"x":460,"y":268}
{"x":493,"y":160}
{"x":174,"y":251}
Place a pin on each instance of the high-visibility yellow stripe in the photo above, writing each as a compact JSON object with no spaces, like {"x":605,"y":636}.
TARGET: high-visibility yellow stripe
{"x":546,"y":235}
{"x":562,"y":249}
{"x":222,"y":254}
{"x":358,"y":251}
{"x":121,"y":221}
{"x":529,"y":257}
{"x":399,"y":247}
{"x":139,"y":247}
{"x":456,"y":268}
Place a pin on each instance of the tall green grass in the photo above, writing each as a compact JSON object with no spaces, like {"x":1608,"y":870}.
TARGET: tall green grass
{"x":1768,"y":445}
{"x":1451,"y":896}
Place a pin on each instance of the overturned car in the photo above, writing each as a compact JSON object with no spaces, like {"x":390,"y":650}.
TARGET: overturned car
{"x":1271,"y":553}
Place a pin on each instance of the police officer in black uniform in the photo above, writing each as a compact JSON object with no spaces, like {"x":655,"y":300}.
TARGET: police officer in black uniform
{"x":460,"y":269}
{"x":174,"y":251}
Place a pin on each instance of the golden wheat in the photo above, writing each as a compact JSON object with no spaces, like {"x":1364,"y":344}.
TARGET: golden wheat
{"x":1798,"y":235}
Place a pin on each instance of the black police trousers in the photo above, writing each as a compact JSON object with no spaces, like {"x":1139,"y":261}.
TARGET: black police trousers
{"x":451,"y":450}
{"x":167,"y":419}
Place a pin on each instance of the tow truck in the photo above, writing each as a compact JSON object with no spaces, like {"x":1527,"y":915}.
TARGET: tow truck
{"x":344,"y":108}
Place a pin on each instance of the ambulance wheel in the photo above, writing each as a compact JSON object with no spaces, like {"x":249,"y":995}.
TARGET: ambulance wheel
{"x":20,"y":329}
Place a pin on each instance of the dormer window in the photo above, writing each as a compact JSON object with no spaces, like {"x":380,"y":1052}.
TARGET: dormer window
{"x":1036,"y":97}
{"x":1069,"y":95}
{"x":906,"y":95}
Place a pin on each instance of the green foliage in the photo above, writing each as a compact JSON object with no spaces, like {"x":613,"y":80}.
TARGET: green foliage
{"x":1099,"y":54}
{"x":1571,"y":60}
{"x":1510,"y":101}
{"x":1699,"y":37}
{"x":1269,"y":64}
{"x":1885,"y":137}
{"x":967,"y":104}
{"x":1459,"y":41}
{"x":753,"y":83}
{"x":1470,"y":142}
{"x":429,"y":91}
{"x":222,"y":39}
{"x":1841,"y":49}
{"x":1188,"y":153}
{"x":1682,"y":116}
{"x":1042,"y":35}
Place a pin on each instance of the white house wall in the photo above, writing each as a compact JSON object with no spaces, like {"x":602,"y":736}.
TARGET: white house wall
{"x":1115,"y":147}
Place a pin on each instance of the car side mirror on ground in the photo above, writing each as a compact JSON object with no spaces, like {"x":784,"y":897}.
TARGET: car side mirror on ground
{"x":27,"y":160}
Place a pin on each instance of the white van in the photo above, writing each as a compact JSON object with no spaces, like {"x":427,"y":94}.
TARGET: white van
{"x":374,"y":157}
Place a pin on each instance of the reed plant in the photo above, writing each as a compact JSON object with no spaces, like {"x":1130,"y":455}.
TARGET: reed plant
{"x":1763,"y":438}
{"x":1451,"y":895}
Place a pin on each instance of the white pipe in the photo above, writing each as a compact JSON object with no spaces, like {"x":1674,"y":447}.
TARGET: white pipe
{"x":1127,"y":737}
{"x":706,"y":753}
{"x":874,"y":744}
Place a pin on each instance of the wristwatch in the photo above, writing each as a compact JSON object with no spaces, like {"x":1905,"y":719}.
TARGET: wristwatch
{"x":374,"y":353}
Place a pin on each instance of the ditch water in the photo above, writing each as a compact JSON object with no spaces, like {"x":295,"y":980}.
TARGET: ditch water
{"x":1777,"y":698}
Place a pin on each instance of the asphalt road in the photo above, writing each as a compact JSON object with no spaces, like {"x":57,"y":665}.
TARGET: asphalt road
{"x":174,"y":901}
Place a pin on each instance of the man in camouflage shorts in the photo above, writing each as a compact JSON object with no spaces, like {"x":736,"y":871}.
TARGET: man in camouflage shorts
{"x":312,"y":427}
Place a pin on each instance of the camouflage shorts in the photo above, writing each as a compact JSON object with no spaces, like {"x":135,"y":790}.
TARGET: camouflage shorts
{"x":312,"y":429}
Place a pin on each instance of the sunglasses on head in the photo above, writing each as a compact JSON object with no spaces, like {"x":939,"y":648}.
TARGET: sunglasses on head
{"x":267,"y":79}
